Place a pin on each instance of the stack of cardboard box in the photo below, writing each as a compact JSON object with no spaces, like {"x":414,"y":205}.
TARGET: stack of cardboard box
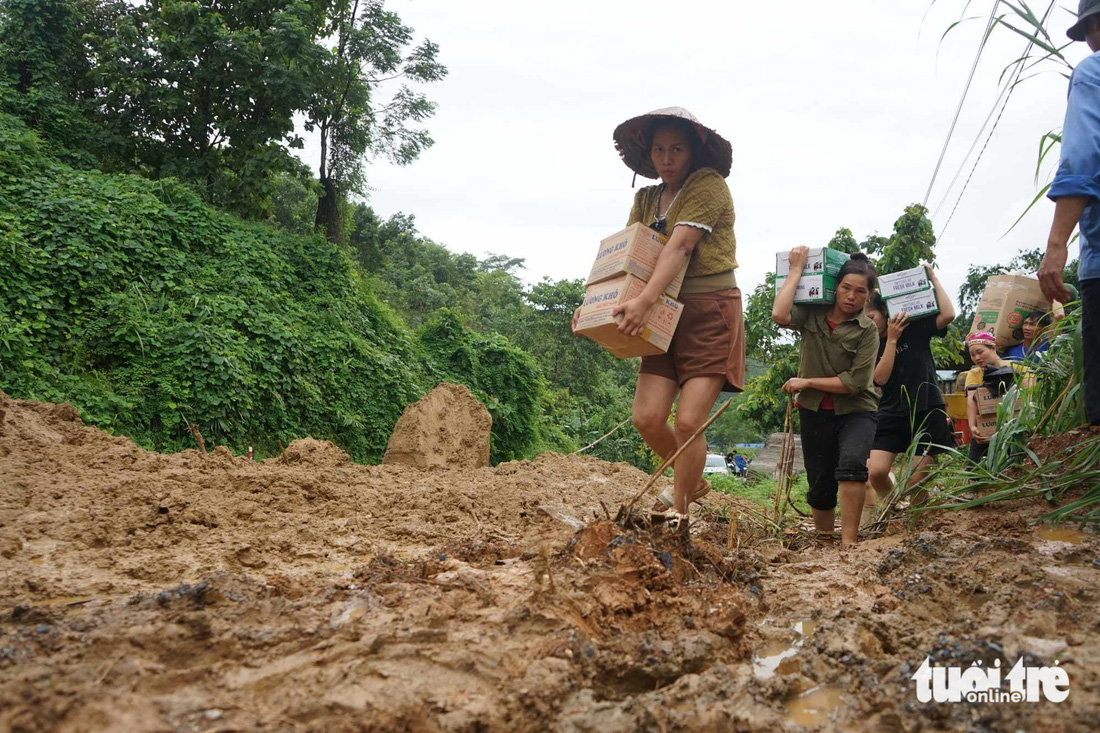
{"x":909,"y":291}
{"x":623,"y":266}
{"x":819,"y":276}
{"x":988,"y":402}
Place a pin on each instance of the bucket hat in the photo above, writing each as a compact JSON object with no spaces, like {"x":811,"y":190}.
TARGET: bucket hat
{"x":1085,"y":10}
{"x":632,"y":140}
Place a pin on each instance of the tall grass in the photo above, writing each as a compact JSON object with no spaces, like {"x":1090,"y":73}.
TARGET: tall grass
{"x":1012,"y":469}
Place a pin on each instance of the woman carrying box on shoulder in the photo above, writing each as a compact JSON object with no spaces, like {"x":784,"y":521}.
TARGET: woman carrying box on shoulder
{"x":691,"y":206}
{"x":911,"y":404}
{"x":837,"y":402}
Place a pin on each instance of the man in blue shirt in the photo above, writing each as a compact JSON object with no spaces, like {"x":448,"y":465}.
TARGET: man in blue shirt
{"x":1076,"y":195}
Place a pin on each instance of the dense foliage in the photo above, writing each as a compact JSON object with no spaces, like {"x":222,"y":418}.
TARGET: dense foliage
{"x":148,"y":309}
{"x":208,"y":91}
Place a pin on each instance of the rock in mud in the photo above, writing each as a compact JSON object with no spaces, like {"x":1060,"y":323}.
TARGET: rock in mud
{"x":447,"y":428}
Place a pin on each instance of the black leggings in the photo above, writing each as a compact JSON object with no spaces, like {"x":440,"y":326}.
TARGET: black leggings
{"x":1090,"y":334}
{"x":834,"y":449}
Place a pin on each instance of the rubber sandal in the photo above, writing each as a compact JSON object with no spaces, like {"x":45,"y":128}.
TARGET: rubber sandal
{"x":665,"y":497}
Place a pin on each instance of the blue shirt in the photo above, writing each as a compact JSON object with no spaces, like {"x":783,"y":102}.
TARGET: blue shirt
{"x":1019,"y":353}
{"x":1079,"y":170}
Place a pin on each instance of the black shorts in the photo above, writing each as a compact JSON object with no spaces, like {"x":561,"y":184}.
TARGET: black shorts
{"x":895,"y":433}
{"x":834,"y":448}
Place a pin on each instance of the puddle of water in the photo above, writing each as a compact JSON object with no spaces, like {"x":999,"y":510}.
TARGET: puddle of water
{"x":805,"y":628}
{"x":778,"y":657}
{"x":1062,"y":534}
{"x":812,"y":708}
{"x":773,"y":659}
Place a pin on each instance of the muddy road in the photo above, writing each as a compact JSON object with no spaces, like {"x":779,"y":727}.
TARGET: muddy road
{"x":190,"y":592}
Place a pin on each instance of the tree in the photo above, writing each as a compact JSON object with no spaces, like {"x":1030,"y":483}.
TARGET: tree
{"x":369,"y":52}
{"x":843,"y":241}
{"x":48,"y":49}
{"x":912,"y":242}
{"x":206,"y":90}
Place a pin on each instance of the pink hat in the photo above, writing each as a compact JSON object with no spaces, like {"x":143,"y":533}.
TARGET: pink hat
{"x":985,"y":338}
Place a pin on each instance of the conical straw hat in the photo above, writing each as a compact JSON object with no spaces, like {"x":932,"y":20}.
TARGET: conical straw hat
{"x":632,"y":140}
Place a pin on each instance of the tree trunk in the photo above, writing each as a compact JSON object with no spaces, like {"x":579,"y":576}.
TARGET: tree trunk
{"x":328,"y":214}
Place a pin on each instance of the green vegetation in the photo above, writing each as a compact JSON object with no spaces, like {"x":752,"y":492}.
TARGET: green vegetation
{"x":148,"y":309}
{"x":760,"y":490}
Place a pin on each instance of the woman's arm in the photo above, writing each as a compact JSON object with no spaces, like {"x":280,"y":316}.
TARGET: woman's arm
{"x":784,"y":299}
{"x":635,"y":312}
{"x":824,"y":384}
{"x":943,"y":300}
{"x":885,"y":366}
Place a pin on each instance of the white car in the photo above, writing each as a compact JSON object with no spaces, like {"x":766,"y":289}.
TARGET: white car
{"x":716,"y":463}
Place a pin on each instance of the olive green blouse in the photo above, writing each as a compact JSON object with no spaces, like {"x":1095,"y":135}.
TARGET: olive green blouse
{"x":704,"y":202}
{"x":849,"y":351}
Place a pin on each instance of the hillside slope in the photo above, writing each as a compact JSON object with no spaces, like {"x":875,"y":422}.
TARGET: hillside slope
{"x":147,"y":309}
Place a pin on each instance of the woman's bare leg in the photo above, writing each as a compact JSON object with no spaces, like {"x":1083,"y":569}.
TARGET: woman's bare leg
{"x":878,"y":481}
{"x":697,"y":397}
{"x":852,"y":494}
{"x":653,"y":398}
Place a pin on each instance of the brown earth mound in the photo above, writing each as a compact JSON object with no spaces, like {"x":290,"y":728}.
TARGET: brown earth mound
{"x":446,"y":428}
{"x":192,"y":592}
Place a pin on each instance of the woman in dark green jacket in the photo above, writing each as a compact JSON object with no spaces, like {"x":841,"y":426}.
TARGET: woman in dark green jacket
{"x":837,"y":401}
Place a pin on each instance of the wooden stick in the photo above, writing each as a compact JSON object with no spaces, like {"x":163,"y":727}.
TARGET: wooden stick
{"x":786,"y":448}
{"x":198,"y":437}
{"x":597,"y":440}
{"x":674,"y":456}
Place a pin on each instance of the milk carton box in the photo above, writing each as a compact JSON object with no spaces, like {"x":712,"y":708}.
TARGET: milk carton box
{"x":596,"y":322}
{"x":821,"y":261}
{"x":905,"y":282}
{"x":812,"y":289}
{"x":918,"y":305}
{"x":633,"y":251}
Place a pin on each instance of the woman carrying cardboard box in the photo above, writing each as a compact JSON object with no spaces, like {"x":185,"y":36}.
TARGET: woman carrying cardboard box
{"x":983,"y":352}
{"x":837,"y":402}
{"x":911,"y":403}
{"x":692,"y":206}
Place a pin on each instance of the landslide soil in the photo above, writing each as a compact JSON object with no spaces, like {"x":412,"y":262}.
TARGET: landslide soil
{"x":202,"y":592}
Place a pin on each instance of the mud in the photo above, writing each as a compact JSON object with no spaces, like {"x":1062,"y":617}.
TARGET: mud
{"x":446,"y":428}
{"x":190,"y":592}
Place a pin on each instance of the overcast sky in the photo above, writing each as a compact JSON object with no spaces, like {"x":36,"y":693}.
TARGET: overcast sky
{"x":836,"y":112}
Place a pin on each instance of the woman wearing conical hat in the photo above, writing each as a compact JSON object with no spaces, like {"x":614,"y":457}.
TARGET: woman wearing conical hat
{"x":692,"y":206}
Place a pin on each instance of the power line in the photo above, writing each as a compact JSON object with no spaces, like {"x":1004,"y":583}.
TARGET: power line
{"x":962,"y":99}
{"x":1007,"y":94}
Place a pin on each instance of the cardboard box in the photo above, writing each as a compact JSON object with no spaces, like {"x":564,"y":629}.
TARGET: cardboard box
{"x":812,"y":289}
{"x":1005,"y":303}
{"x":905,"y":282}
{"x":821,"y":261}
{"x":596,"y":322}
{"x":987,"y":424}
{"x":987,"y":401}
{"x":633,"y":251}
{"x":917,"y":305}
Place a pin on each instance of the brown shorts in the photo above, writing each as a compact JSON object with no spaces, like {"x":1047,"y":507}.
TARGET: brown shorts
{"x":709,"y":341}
